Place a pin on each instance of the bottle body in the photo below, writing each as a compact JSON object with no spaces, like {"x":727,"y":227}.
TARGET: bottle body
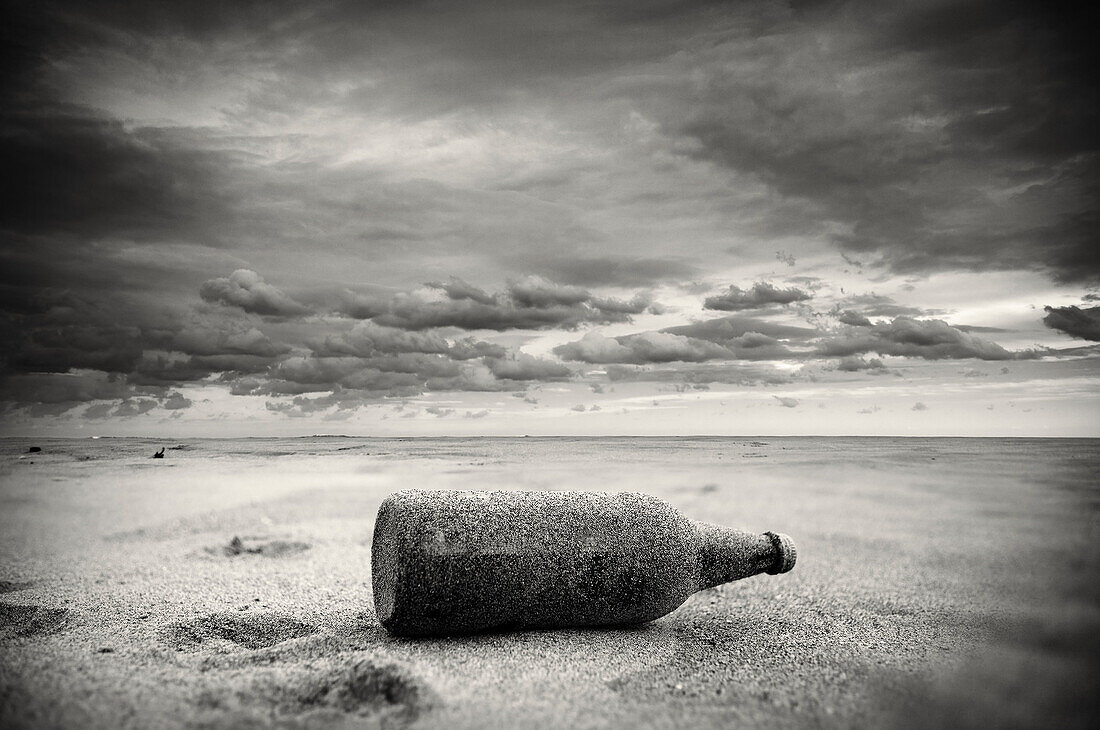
{"x":456,"y":562}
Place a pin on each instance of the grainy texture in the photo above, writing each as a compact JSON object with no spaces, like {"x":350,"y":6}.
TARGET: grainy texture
{"x":456,"y":562}
{"x":941,"y":582}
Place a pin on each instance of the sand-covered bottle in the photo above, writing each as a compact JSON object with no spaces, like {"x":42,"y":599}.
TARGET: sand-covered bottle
{"x":457,"y":562}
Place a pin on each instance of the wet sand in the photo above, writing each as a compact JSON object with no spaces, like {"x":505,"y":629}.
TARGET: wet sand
{"x":939,"y":582}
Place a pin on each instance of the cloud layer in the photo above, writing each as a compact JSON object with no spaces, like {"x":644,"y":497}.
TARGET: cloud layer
{"x":1074,"y":321}
{"x":328,"y":204}
{"x":247,"y":290}
{"x":760,"y":295}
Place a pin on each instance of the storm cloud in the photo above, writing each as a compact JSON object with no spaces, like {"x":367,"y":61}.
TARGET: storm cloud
{"x":325,"y":204}
{"x":991,"y":94}
{"x":247,"y":290}
{"x":762,"y":294}
{"x":526,"y":367}
{"x":645,"y":347}
{"x":928,"y":339}
{"x":852,"y":364}
{"x":724,"y":330}
{"x":726,"y":338}
{"x":531,"y":302}
{"x":1074,"y":321}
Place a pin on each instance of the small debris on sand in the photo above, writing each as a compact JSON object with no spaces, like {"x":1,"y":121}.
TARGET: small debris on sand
{"x":271,"y":549}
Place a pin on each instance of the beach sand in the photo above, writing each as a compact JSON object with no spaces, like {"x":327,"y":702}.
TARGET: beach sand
{"x":939,"y":582}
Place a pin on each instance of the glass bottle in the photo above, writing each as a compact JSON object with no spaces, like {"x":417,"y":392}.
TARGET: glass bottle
{"x":459,"y":562}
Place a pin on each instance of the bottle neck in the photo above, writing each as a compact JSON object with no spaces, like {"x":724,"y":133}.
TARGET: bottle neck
{"x":727,"y":554}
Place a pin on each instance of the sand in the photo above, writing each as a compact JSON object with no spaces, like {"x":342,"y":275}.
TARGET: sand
{"x":939,"y":582}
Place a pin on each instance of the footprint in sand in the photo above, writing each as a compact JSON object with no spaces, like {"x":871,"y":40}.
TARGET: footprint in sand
{"x":16,"y":620}
{"x":368,"y":692}
{"x":10,"y":586}
{"x":249,"y":546}
{"x":257,"y":631}
{"x":369,"y":687}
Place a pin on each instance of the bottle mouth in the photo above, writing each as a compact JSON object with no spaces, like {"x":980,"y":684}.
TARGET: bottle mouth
{"x":785,"y":553}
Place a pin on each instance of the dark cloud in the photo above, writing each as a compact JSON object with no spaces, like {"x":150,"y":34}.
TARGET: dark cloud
{"x":70,"y":172}
{"x":618,"y":271}
{"x":456,"y":288}
{"x":526,"y":367}
{"x":378,"y":362}
{"x":762,"y":294}
{"x":1074,"y":321}
{"x":854,"y":319}
{"x":302,"y":405}
{"x":359,"y":305}
{"x":325,"y":371}
{"x":111,"y":395}
{"x":220,"y":338}
{"x":412,"y":313}
{"x":140,"y":342}
{"x":911,"y":115}
{"x":165,"y":348}
{"x":75,"y":387}
{"x":162,"y":369}
{"x":538,"y":293}
{"x":57,"y":349}
{"x":929,"y":339}
{"x":729,"y":330}
{"x":876,"y":305}
{"x":133,"y":407}
{"x":529,"y":303}
{"x":638,"y":304}
{"x":577,"y":142}
{"x":645,"y":347}
{"x":176,"y":401}
{"x":726,"y":338}
{"x":367,"y":339}
{"x":247,"y":289}
{"x":468,"y":348}
{"x":916,"y":149}
{"x":299,"y":375}
{"x":852,"y":364}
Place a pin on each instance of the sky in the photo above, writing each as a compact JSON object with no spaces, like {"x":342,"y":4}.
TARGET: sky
{"x":647,"y":217}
